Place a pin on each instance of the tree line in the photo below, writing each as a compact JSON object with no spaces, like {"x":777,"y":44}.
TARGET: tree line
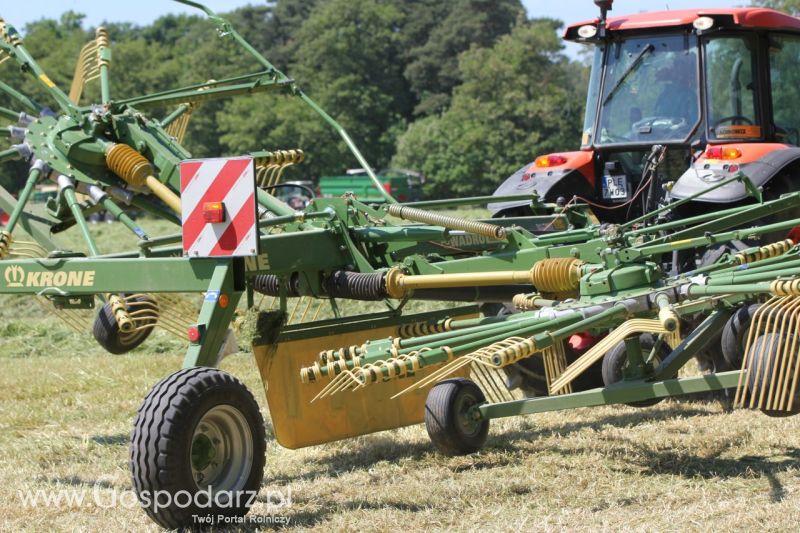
{"x":465,"y":91}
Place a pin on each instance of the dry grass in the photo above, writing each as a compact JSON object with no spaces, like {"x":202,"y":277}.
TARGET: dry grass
{"x":66,"y":409}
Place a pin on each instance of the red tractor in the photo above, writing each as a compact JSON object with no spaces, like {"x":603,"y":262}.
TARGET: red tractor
{"x":677,"y":101}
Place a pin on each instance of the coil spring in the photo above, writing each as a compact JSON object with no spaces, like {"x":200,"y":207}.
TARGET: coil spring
{"x":511,"y":350}
{"x":470,"y":226}
{"x":789,"y":287}
{"x":270,"y":284}
{"x":356,"y":285}
{"x":281,"y":157}
{"x":770,"y":250}
{"x":128,"y":164}
{"x":525,"y":302}
{"x":396,"y":367}
{"x":313,"y":373}
{"x":101,"y":37}
{"x":347,"y":353}
{"x":5,"y":243}
{"x":557,"y":275}
{"x":424,"y":328}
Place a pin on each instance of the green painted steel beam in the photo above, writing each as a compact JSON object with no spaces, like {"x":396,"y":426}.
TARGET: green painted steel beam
{"x":625,"y":392}
{"x":693,"y":344}
{"x":400,"y":233}
{"x":215,"y":316}
{"x":21,"y":98}
{"x":473,"y":200}
{"x":214,"y":92}
{"x":9,"y":113}
{"x":78,"y":275}
{"x":36,"y":225}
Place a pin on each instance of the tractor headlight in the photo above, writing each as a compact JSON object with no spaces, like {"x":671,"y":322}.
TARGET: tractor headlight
{"x":587,"y":31}
{"x":703,"y":23}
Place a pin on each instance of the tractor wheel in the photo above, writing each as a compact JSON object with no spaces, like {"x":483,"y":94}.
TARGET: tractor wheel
{"x":197,"y":448}
{"x":450,"y":428}
{"x":734,"y":334}
{"x":615,"y":359}
{"x":108,"y":335}
{"x":761,"y":363}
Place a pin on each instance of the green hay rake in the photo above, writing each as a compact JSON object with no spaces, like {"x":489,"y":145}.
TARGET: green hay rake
{"x":332,"y":374}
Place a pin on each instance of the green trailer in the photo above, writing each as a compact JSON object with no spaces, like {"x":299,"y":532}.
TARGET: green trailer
{"x":404,"y":185}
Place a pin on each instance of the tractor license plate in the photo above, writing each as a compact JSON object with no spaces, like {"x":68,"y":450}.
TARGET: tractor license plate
{"x":615,"y":188}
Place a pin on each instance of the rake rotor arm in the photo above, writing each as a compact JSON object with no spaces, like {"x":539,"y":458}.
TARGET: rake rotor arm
{"x":175,"y":115}
{"x":9,"y":114}
{"x":8,"y":155}
{"x":21,"y":98}
{"x":237,"y":86}
{"x":15,"y":48}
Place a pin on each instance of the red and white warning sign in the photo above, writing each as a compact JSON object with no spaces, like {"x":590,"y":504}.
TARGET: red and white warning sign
{"x":218,"y":198}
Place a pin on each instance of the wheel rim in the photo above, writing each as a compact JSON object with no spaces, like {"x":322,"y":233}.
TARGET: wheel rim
{"x":466,"y":424}
{"x":221,"y":455}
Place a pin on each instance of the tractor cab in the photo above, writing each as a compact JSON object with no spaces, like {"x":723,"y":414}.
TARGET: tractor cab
{"x":677,"y":100}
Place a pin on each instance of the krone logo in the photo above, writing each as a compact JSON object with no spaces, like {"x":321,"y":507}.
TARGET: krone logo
{"x":17,"y":277}
{"x":14,"y":276}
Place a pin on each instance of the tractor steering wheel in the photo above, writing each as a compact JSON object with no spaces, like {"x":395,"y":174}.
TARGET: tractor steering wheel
{"x":662,"y":119}
{"x":733,"y":119}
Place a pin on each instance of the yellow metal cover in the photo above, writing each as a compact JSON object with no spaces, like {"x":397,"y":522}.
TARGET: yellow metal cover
{"x":297,"y":422}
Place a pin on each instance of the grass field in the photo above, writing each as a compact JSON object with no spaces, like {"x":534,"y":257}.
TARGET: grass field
{"x":66,"y":409}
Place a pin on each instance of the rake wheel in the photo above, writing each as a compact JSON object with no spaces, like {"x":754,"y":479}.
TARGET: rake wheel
{"x":615,"y":360}
{"x":766,"y":348}
{"x":107,"y":333}
{"x":198,"y":431}
{"x":447,"y":419}
{"x":734,"y":334}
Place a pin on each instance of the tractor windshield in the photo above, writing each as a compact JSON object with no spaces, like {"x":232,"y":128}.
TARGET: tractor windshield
{"x":649,"y":94}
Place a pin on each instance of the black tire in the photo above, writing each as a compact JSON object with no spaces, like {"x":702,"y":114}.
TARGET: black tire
{"x":714,"y":253}
{"x":174,"y":444}
{"x":734,"y":334}
{"x":615,"y":359}
{"x":108,"y":335}
{"x":446,"y":407}
{"x":761,"y":364}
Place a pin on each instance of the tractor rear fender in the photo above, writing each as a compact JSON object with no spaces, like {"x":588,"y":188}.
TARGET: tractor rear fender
{"x":759,"y":162}
{"x":550,"y":176}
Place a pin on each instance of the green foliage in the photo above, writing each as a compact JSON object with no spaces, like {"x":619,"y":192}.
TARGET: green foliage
{"x":386,"y":70}
{"x":347,"y":60}
{"x":518,"y":99}
{"x":440,"y":31}
{"x":787,"y":6}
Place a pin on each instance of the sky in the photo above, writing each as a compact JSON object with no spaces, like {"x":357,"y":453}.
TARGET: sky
{"x":143,"y":12}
